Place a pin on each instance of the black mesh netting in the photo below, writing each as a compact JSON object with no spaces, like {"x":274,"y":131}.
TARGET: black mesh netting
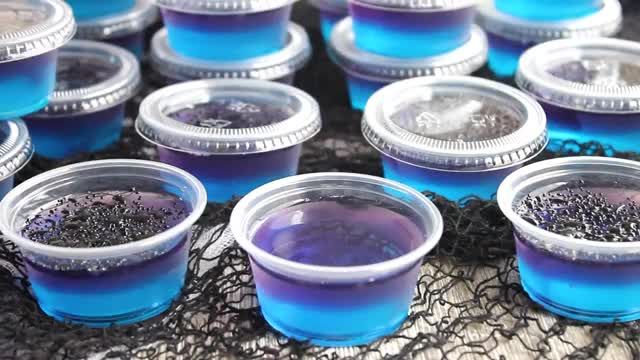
{"x":469,"y":301}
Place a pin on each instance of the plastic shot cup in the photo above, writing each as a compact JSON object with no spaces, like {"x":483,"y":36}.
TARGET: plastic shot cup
{"x":455,"y":136}
{"x":330,"y":12}
{"x":510,"y":36}
{"x":234,"y":134}
{"x":411,"y":29}
{"x":124,"y":29}
{"x":549,"y":10}
{"x":30,"y":33}
{"x":84,"y":10}
{"x":367,"y":72}
{"x":279,"y":66}
{"x":335,"y":256}
{"x":586,"y":269}
{"x":87,"y":109}
{"x":232,"y":29}
{"x":589,"y":89}
{"x":16,"y":150}
{"x":105,"y":285}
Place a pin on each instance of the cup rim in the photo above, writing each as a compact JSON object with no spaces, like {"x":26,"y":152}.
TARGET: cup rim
{"x":333,"y":273}
{"x":107,"y":251}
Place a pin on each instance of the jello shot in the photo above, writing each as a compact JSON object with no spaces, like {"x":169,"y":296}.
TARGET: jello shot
{"x":549,"y":10}
{"x":87,"y":109}
{"x":234,"y":134}
{"x":510,"y":36}
{"x":84,"y":10}
{"x":279,"y":66}
{"x":125,"y":29}
{"x":367,"y":72}
{"x":577,"y":234}
{"x":104,"y":242}
{"x":30,"y":33}
{"x":330,"y":12}
{"x":335,"y":256}
{"x":589,"y":89}
{"x":409,"y":28}
{"x":16,"y":150}
{"x":454,"y":136}
{"x":226,"y":29}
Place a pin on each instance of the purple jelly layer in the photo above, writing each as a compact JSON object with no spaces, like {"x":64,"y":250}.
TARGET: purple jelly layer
{"x":411,"y":20}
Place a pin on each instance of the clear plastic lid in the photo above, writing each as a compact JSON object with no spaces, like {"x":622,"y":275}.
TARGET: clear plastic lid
{"x":16,"y":148}
{"x":605,"y":22}
{"x":462,"y":61}
{"x":595,"y":75}
{"x":92,"y":76}
{"x":230,"y":116}
{"x":454,"y":123}
{"x":33,"y":27}
{"x":279,"y":64}
{"x":425,"y":5}
{"x":222,"y":6}
{"x":137,"y":19}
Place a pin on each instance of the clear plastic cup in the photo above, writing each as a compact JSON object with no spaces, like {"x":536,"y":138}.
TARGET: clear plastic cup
{"x":547,"y":10}
{"x":32,"y":31}
{"x":84,"y":10}
{"x":331,"y":12}
{"x":279,"y":66}
{"x":117,"y":284}
{"x":588,"y":88}
{"x":233,"y":134}
{"x":86,"y":112}
{"x":456,"y":136}
{"x":411,"y":29}
{"x":124,"y":29}
{"x":368,"y":72}
{"x":510,"y":36}
{"x":335,"y":256}
{"x":581,"y":279}
{"x":234,"y":29}
{"x":16,"y":150}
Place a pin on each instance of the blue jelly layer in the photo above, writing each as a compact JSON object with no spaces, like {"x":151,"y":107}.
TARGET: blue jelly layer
{"x":328,"y":19}
{"x":453,"y":185}
{"x":119,"y":295}
{"x":549,"y":10}
{"x":226,"y":176}
{"x":133,"y":42}
{"x":5,"y":186}
{"x":504,"y":55}
{"x":84,"y":10}
{"x":589,"y":291}
{"x":27,"y":85}
{"x":227,"y":37}
{"x":361,"y":89}
{"x":410,"y":34}
{"x":63,"y":136}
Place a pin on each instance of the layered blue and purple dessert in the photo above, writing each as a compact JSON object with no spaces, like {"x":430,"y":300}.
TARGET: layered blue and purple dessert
{"x":279,"y":66}
{"x":99,"y":253}
{"x":233,"y":135}
{"x":84,"y":10}
{"x":577,"y":232}
{"x":335,"y":257}
{"x":588,"y":88}
{"x":16,"y":150}
{"x":411,"y":29}
{"x":510,"y":36}
{"x":86,"y":112}
{"x":331,"y":12}
{"x":367,"y":72}
{"x":30,"y":33}
{"x":125,"y":29}
{"x":549,"y":10}
{"x":234,"y":30}
{"x":455,"y":136}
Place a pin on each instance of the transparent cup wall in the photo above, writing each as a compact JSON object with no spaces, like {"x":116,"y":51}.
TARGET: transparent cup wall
{"x":549,"y":10}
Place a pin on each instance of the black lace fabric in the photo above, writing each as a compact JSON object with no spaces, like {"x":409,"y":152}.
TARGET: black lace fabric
{"x":469,"y":302}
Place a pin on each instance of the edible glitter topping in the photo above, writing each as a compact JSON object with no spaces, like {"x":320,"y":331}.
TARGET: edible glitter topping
{"x":14,"y":19}
{"x":602,"y":72}
{"x":596,"y":213}
{"x":458,"y":118}
{"x":101,"y":219}
{"x":232,"y":114}
{"x":75,"y":72}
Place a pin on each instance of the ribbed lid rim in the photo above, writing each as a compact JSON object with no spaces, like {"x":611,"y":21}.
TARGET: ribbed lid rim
{"x":429,"y":5}
{"x":533,"y":77}
{"x":284,"y":62}
{"x":155,"y":126}
{"x":462,"y":61}
{"x":57,"y":28}
{"x":16,"y":148}
{"x":396,"y":142}
{"x":222,"y":6}
{"x":135,"y":20}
